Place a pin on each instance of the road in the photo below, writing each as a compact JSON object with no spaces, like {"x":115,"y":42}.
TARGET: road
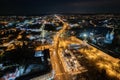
{"x":58,"y":69}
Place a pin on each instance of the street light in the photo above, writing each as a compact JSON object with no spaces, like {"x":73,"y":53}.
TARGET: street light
{"x":85,"y":36}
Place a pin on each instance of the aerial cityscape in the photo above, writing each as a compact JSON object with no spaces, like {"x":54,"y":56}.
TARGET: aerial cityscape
{"x":59,"y":39}
{"x":60,"y":47}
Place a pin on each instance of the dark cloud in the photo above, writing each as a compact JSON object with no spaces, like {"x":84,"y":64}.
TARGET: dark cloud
{"x":55,"y":6}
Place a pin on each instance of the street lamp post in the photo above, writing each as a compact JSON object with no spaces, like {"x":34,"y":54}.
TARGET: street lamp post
{"x":85,"y":36}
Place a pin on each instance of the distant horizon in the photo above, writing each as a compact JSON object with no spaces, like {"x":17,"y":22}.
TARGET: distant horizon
{"x":37,"y":14}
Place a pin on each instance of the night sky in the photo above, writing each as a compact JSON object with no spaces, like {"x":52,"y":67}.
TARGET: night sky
{"x":58,"y":6}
